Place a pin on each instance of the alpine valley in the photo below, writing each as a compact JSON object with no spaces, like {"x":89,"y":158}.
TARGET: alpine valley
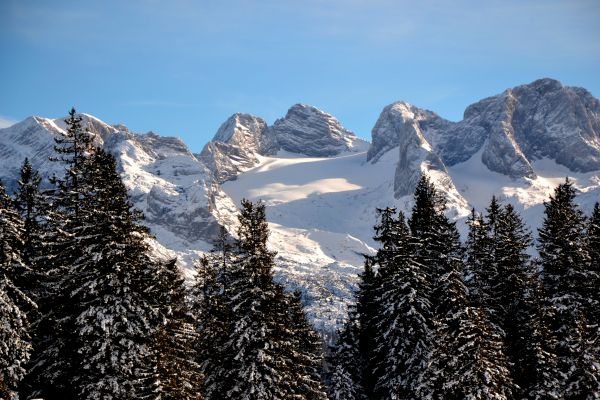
{"x":322,"y":183}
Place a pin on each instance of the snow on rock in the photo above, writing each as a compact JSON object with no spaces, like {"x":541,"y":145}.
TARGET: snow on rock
{"x":322,"y":184}
{"x":543,"y":119}
{"x":312,"y":132}
{"x":236,"y":146}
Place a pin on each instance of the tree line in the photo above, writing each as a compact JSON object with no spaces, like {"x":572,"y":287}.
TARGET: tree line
{"x":87,"y":311}
{"x":438,"y":319}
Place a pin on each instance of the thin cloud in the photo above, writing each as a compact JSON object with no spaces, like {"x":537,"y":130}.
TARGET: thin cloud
{"x":5,"y":122}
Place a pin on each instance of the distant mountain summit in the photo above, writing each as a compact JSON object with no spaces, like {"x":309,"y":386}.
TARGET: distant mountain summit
{"x":543,"y":119}
{"x":322,"y":183}
{"x":305,"y":130}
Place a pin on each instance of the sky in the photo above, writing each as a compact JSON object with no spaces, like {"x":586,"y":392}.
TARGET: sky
{"x":182,"y":67}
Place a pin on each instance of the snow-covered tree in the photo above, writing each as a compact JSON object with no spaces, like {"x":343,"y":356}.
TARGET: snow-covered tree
{"x":30,"y":203}
{"x":436,"y":239}
{"x":179,"y":375}
{"x":365,"y":314}
{"x":267,"y":361}
{"x":499,"y":278}
{"x":94,"y":338}
{"x":345,"y":376}
{"x":593,"y":287}
{"x":565,"y":261}
{"x":403,"y":311}
{"x":15,"y":345}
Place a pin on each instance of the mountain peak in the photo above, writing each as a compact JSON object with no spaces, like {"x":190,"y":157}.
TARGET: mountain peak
{"x":307,"y":130}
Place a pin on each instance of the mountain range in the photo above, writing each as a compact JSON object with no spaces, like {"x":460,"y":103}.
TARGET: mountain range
{"x":322,"y":183}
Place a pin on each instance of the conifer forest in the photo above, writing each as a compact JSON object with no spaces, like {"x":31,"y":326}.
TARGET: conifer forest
{"x":87,"y":311}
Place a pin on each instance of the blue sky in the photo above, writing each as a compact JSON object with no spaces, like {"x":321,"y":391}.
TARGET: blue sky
{"x":182,"y":67}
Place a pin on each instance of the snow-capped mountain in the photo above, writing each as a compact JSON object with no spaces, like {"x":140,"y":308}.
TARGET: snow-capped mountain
{"x":322,"y":183}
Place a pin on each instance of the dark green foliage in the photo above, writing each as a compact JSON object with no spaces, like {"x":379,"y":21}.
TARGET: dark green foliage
{"x":213,"y":315}
{"x":365,"y":313}
{"x":593,"y":286}
{"x":30,"y":204}
{"x":15,"y":345}
{"x":437,"y":242}
{"x":98,"y":320}
{"x":179,"y":375}
{"x":266,"y":349}
{"x":565,"y":261}
{"x":345,"y":376}
{"x":403,"y":311}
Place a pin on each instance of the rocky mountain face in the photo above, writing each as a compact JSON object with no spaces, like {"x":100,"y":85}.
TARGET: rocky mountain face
{"x":305,"y":130}
{"x":543,"y":119}
{"x":322,"y":183}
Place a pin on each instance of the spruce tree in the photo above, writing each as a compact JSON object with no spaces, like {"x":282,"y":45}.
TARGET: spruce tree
{"x":477,"y":257}
{"x":179,"y":375}
{"x":211,"y":308}
{"x":593,"y":287}
{"x":365,"y":313}
{"x":15,"y":345}
{"x":436,"y":239}
{"x":261,"y":336}
{"x":565,"y":262}
{"x":53,"y":360}
{"x":466,"y":358}
{"x":403,"y":312}
{"x":345,"y":377}
{"x":29,"y":202}
{"x":99,"y":319}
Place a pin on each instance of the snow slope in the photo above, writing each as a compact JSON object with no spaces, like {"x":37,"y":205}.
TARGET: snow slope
{"x":322,"y":197}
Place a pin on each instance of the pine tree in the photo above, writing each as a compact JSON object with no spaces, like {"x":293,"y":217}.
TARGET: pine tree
{"x":211,"y":307}
{"x":403,"y":311}
{"x":365,"y":313}
{"x":99,"y":318}
{"x":30,"y":203}
{"x":345,"y":377}
{"x":304,"y":350}
{"x":178,"y":371}
{"x":261,"y":337}
{"x":15,"y":345}
{"x":565,"y":262}
{"x":593,"y":287}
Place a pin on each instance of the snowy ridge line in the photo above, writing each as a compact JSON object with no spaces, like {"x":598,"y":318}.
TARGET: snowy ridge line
{"x":322,"y":184}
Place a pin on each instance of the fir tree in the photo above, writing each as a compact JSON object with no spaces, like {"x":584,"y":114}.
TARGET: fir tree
{"x":211,"y":307}
{"x":403,"y":311}
{"x":261,"y":337}
{"x":593,"y":287}
{"x":15,"y":343}
{"x":436,"y":239}
{"x":95,"y":334}
{"x":565,"y":262}
{"x":345,"y":377}
{"x":30,"y":203}
{"x":365,"y":313}
{"x":178,"y":371}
